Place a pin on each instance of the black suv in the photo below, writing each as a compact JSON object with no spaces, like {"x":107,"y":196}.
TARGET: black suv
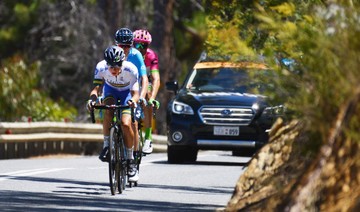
{"x":216,"y":109}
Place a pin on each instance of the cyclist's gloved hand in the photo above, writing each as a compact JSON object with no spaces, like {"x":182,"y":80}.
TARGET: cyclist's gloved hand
{"x":131,"y":103}
{"x":90,"y":104}
{"x":154,"y":103}
{"x":100,"y":100}
{"x":142,"y":102}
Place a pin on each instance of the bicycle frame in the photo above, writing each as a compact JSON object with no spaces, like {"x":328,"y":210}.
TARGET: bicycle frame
{"x":141,"y":141}
{"x":117,"y":152}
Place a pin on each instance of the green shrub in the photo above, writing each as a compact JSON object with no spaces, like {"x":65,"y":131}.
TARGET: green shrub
{"x":20,"y":96}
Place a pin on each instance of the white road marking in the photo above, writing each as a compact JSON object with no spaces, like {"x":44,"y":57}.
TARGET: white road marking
{"x":23,"y":173}
{"x":98,"y":167}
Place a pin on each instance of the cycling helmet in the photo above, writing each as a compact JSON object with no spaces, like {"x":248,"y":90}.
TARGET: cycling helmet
{"x":114,"y":56}
{"x":124,"y":36}
{"x":142,"y":36}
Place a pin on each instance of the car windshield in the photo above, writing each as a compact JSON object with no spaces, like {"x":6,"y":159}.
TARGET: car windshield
{"x":225,"y":79}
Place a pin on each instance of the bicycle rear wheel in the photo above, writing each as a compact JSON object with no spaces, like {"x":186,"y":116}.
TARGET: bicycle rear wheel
{"x":140,"y":146}
{"x":113,"y":161}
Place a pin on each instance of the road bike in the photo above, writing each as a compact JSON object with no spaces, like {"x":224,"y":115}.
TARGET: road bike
{"x":117,"y":152}
{"x":140,"y":155}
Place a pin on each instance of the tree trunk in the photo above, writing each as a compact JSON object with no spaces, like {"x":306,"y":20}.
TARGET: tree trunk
{"x":113,"y":11}
{"x":162,"y":32}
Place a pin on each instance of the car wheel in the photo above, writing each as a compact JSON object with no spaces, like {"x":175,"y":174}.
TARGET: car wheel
{"x":179,"y":155}
{"x":191,"y":155}
{"x":175,"y":155}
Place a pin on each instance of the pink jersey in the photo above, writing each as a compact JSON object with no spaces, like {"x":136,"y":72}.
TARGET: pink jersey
{"x":151,"y":61}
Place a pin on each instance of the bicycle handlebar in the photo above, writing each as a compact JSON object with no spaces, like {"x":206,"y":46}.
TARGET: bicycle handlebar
{"x":108,"y":107}
{"x":111,"y":107}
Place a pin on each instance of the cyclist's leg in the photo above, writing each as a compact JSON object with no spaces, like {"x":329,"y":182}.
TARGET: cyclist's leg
{"x":148,"y":111}
{"x":127,"y":128}
{"x":136,"y":135}
{"x":108,"y":116}
{"x":126,"y":124}
{"x":108,"y":100}
{"x":129,"y":141}
{"x":138,"y":116}
{"x":128,"y":134}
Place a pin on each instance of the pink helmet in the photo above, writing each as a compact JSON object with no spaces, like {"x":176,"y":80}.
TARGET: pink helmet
{"x":142,"y":36}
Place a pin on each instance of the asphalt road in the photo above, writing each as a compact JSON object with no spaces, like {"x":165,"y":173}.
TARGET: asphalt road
{"x":79,"y":183}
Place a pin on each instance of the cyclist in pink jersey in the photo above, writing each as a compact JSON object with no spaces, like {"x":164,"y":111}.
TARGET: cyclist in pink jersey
{"x":142,"y":40}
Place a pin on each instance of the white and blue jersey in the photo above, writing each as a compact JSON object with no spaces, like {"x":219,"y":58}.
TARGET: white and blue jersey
{"x":118,"y":86}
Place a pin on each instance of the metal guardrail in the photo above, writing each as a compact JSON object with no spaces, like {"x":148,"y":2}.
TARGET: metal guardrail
{"x":22,"y":139}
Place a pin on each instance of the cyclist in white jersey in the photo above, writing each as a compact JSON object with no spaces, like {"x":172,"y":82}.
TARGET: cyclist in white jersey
{"x":124,"y":39}
{"x":120,"y":84}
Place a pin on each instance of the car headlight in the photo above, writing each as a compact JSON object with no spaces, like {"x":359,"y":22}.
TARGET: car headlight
{"x":181,"y":108}
{"x":255,"y":107}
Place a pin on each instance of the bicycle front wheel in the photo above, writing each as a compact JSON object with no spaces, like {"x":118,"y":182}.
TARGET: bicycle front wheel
{"x":113,"y":161}
{"x":123,"y":163}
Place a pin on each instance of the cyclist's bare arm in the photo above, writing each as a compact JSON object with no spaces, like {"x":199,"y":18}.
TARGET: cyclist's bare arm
{"x":94,"y":93}
{"x":134,"y":96}
{"x":144,"y":86}
{"x":155,"y":84}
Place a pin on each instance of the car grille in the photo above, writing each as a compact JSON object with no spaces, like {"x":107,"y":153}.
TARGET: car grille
{"x":226,"y":115}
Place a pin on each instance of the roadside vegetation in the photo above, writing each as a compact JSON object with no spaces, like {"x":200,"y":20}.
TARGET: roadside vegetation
{"x":320,"y":88}
{"x":21,"y":98}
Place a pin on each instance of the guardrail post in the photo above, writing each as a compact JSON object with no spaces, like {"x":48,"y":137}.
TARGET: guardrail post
{"x":21,"y":151}
{"x":2,"y":150}
{"x":10,"y":150}
{"x":91,"y":148}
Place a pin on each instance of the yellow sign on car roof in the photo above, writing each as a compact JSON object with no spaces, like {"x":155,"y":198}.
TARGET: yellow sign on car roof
{"x":246,"y":65}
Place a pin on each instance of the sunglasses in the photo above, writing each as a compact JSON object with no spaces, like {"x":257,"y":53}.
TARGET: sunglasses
{"x":124,"y":46}
{"x":115,"y":66}
{"x":140,"y":45}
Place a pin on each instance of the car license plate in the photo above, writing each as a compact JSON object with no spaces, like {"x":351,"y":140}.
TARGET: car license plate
{"x":225,"y":130}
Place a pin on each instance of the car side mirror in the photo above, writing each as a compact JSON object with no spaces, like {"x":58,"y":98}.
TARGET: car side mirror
{"x":172,"y":86}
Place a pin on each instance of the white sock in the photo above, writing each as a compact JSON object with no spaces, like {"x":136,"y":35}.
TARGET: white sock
{"x":106,"y":141}
{"x":129,"y":153}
